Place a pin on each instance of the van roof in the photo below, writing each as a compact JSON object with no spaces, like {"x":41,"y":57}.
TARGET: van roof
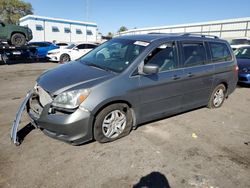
{"x":165,"y":36}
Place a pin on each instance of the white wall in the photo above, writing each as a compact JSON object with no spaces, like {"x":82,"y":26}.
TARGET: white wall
{"x":47,"y":35}
{"x":227,"y":29}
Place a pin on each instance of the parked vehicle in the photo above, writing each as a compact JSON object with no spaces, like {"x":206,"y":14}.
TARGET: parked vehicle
{"x":14,"y":34}
{"x":243,"y":59}
{"x":63,"y":45}
{"x":43,"y":48}
{"x":70,"y":53}
{"x":153,"y":76}
{"x":239,"y":42}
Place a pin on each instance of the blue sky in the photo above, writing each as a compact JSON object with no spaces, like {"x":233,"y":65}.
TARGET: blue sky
{"x":110,"y":15}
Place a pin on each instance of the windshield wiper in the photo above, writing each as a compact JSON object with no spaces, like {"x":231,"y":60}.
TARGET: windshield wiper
{"x":98,"y":66}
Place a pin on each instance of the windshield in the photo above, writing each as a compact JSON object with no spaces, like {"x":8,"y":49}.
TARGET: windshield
{"x":115,"y":55}
{"x":243,"y":53}
{"x":239,"y":41}
{"x":71,"y":46}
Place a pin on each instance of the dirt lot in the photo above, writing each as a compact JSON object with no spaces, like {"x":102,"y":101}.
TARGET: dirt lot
{"x":201,"y":148}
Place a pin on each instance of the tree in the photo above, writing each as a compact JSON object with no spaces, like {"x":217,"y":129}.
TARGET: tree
{"x":122,"y":29}
{"x":12,"y":10}
{"x":110,"y":34}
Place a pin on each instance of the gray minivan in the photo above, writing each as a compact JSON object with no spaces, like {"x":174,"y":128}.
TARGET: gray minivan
{"x":127,"y":81}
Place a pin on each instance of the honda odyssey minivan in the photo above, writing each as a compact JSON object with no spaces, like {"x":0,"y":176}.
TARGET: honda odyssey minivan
{"x":107,"y":93}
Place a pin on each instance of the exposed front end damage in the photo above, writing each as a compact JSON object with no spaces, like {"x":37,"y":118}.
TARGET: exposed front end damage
{"x":70,"y":126}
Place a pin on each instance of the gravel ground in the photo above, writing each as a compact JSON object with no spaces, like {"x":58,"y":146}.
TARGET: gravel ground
{"x":200,"y":148}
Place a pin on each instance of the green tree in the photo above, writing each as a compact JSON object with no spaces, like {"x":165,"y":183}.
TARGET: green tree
{"x":110,"y":34}
{"x":122,"y":28}
{"x":12,"y":10}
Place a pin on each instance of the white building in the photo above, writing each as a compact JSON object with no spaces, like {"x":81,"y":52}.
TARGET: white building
{"x":228,"y":29}
{"x":60,"y":30}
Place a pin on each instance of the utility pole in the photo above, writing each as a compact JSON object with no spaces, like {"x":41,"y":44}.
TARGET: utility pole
{"x":87,"y":9}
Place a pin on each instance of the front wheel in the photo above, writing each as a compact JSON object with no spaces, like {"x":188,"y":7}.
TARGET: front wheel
{"x":64,"y":58}
{"x":217,"y":97}
{"x":113,"y":122}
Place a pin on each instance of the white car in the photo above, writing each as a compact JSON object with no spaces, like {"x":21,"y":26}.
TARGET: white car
{"x":63,"y":45}
{"x":239,"y":42}
{"x":70,"y":53}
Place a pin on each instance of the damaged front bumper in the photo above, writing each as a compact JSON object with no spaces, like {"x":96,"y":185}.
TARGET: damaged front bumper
{"x":16,"y":122}
{"x":72,"y":127}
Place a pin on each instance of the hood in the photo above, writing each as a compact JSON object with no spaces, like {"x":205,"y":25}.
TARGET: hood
{"x":243,"y":63}
{"x":71,"y":76}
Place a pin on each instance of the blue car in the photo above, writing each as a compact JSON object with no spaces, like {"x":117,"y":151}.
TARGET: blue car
{"x":243,"y":59}
{"x":43,"y":48}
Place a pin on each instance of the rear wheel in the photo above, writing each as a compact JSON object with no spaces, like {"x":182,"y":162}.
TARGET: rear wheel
{"x":18,"y":39}
{"x":113,"y":122}
{"x":64,"y":58}
{"x":217,"y":97}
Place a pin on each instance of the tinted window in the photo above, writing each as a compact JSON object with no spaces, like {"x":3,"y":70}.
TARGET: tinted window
{"x":55,"y":29}
{"x":220,"y":52}
{"x":89,"y":32}
{"x":40,"y":44}
{"x":66,"y":30}
{"x":78,"y":31}
{"x":194,"y":54}
{"x":39,"y":27}
{"x":164,"y":56}
{"x":62,"y":44}
{"x":240,"y":41}
{"x":90,"y":46}
{"x":81,"y":46}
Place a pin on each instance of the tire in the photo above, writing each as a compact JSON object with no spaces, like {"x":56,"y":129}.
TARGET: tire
{"x":217,"y":97}
{"x":18,"y":39}
{"x":64,"y":58}
{"x":116,"y":118}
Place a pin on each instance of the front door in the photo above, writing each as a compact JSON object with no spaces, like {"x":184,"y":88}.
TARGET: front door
{"x":161,"y":93}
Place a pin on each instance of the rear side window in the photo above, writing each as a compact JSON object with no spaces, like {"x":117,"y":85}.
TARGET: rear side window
{"x":220,"y":52}
{"x":90,"y":46}
{"x":194,"y":54}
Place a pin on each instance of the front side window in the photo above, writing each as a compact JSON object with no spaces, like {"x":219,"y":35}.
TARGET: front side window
{"x":39,"y":27}
{"x":115,"y":55}
{"x":55,"y":29}
{"x":164,"y":56}
{"x":220,"y":52}
{"x":193,"y":54}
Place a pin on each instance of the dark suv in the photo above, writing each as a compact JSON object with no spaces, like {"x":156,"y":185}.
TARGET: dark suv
{"x":14,"y":34}
{"x":150,"y":77}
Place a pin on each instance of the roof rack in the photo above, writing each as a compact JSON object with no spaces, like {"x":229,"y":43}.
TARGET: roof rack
{"x":188,"y":34}
{"x":200,"y":35}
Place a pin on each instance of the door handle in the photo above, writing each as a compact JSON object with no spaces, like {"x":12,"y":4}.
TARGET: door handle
{"x":190,"y":74}
{"x":176,"y":77}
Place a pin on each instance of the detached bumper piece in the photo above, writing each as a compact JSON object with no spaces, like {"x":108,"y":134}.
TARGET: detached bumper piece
{"x":16,"y":122}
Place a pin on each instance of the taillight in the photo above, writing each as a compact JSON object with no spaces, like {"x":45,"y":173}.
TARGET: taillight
{"x":236,"y":70}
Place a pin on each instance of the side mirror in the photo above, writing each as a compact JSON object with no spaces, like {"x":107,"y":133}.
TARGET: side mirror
{"x":150,"y":69}
{"x":3,"y":24}
{"x":75,"y":48}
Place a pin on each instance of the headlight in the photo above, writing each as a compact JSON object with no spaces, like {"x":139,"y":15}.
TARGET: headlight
{"x":71,"y":99}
